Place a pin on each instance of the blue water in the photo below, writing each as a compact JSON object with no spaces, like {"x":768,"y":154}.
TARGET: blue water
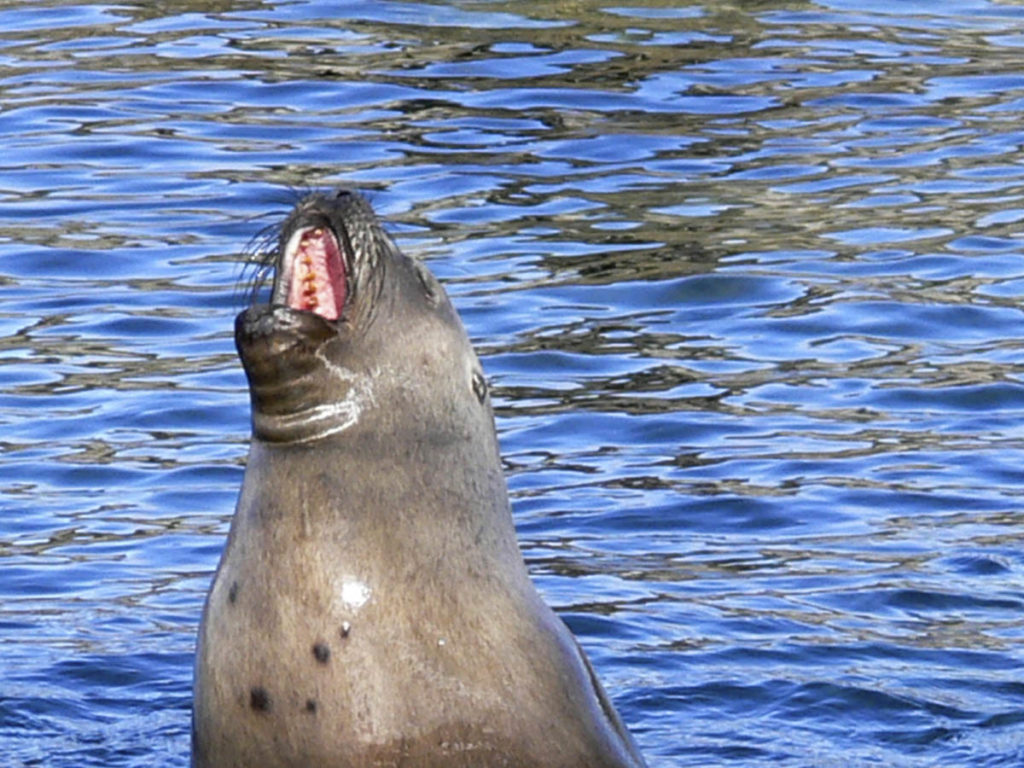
{"x":746,"y":278}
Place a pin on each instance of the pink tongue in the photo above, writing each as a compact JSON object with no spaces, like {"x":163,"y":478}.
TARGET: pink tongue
{"x":318,"y":276}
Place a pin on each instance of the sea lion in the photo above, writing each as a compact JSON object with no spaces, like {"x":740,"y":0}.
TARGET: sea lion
{"x":372,"y":607}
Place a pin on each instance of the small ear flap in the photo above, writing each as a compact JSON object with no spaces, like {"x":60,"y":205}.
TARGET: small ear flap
{"x":431,"y":290}
{"x":480,"y":386}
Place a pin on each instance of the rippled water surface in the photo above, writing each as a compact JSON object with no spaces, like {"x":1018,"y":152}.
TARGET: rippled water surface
{"x":746,"y":278}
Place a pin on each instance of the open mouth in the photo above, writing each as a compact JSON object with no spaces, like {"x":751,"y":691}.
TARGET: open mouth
{"x":311,"y":275}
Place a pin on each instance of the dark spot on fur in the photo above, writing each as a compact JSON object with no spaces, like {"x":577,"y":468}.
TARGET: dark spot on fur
{"x":311,"y":706}
{"x":322,"y":652}
{"x":479,"y":386}
{"x":233,"y":592}
{"x":259,"y":699}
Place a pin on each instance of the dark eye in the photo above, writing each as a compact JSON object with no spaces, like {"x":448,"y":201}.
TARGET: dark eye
{"x":342,"y":193}
{"x":479,"y":386}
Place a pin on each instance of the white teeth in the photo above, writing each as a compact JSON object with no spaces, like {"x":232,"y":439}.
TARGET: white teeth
{"x":286,"y":269}
{"x":293,"y":242}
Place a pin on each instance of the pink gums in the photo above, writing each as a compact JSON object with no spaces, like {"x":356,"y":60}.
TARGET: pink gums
{"x":318,"y":281}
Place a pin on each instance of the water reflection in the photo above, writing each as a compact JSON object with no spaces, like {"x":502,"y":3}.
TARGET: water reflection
{"x":746,"y":279}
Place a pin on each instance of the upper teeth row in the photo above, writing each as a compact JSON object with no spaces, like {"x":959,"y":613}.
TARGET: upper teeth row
{"x":309,"y":278}
{"x":298,"y":243}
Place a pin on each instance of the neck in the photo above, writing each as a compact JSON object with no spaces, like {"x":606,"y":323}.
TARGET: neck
{"x":394,"y":512}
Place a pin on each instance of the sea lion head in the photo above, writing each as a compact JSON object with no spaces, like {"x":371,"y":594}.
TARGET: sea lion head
{"x":357,"y":337}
